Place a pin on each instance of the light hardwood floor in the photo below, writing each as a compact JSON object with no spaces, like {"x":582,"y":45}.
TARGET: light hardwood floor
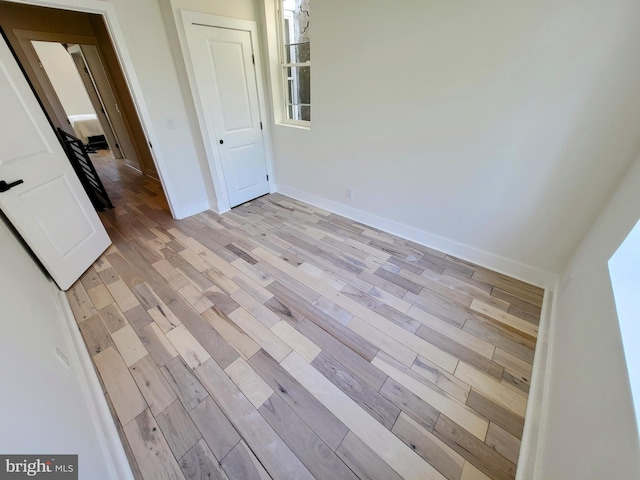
{"x":282,"y":341}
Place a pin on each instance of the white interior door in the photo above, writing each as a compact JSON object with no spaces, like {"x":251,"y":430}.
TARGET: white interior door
{"x":49,"y":208}
{"x":225,"y":76}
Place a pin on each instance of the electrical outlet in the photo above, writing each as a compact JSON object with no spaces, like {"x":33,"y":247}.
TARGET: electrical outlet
{"x":349,"y":193}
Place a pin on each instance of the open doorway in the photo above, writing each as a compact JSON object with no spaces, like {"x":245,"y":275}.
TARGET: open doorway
{"x":74,"y":85}
{"x":74,"y":71}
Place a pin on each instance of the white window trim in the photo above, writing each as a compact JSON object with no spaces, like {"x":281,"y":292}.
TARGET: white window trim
{"x":276,"y":66}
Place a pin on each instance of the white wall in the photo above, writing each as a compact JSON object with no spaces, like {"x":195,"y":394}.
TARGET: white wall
{"x":589,"y":430}
{"x":64,"y":78}
{"x":46,"y":407}
{"x":183,"y":167}
{"x":494,"y":130}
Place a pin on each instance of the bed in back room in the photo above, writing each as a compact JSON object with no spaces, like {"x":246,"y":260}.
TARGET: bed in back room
{"x":88,"y":130}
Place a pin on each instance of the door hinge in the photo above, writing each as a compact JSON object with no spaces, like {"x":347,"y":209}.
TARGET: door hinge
{"x":253,"y":59}
{"x":267,"y":178}
{"x":117,"y":146}
{"x":86,"y":70}
{"x":260,"y":125}
{"x":151,"y":146}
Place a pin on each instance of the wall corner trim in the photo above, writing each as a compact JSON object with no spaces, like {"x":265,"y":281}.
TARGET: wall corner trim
{"x":535,"y":431}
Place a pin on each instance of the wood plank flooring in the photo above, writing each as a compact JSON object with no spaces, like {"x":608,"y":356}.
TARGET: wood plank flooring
{"x":282,"y":341}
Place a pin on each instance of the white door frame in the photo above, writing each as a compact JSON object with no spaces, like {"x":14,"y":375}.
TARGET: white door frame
{"x":108,"y":12}
{"x":186,"y":20}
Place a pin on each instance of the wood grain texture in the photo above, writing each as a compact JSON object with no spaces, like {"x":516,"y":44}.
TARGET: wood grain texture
{"x":232,"y":333}
{"x":148,"y":445}
{"x":80,"y":302}
{"x":473,"y":450}
{"x":217,"y":431}
{"x":271,"y":450}
{"x":370,"y":400}
{"x":435,"y":397}
{"x":279,"y":340}
{"x":200,"y":464}
{"x":406,"y":462}
{"x":129,"y":345}
{"x":95,"y":334}
{"x":322,"y":421}
{"x":249,"y":382}
{"x":343,"y":354}
{"x":189,"y":348}
{"x":154,"y":387}
{"x":241,"y":463}
{"x":178,"y":429}
{"x":314,"y":453}
{"x":508,"y":420}
{"x":113,"y":317}
{"x":503,"y":442}
{"x":127,"y":400}
{"x":184,"y":383}
{"x":509,"y":321}
{"x":363,"y":461}
{"x":507,"y":398}
{"x":429,"y":447}
{"x":298,"y":342}
{"x":157,"y":344}
{"x":100,"y":296}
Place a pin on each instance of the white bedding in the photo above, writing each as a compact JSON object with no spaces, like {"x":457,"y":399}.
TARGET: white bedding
{"x":85,"y":126}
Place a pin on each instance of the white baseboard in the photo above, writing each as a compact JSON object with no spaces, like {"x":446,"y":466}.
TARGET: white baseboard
{"x":468,"y":253}
{"x":110,"y":443}
{"x":188,"y":210}
{"x":537,"y":410}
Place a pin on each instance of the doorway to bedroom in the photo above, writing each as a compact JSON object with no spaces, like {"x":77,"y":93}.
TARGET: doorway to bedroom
{"x":74,"y":71}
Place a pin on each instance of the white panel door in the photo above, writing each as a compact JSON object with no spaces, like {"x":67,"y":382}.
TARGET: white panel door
{"x":50,"y":209}
{"x":226,"y":81}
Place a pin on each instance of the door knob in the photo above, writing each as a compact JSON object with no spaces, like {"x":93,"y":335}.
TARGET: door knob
{"x":4,"y":186}
{"x":221,"y":142}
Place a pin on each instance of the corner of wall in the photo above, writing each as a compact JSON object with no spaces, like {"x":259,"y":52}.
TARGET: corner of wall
{"x":465,"y":252}
{"x":186,"y":211}
{"x":537,"y":404}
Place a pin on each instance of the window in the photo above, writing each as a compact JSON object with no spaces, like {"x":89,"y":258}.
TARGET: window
{"x":295,"y":59}
{"x":624,"y":269}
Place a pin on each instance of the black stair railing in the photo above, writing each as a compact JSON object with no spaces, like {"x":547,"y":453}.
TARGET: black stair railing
{"x":85,"y":170}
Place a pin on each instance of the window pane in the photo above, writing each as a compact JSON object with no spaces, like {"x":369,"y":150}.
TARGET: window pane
{"x":296,"y":49}
{"x":296,"y":14}
{"x":300,"y":112}
{"x":297,"y":53}
{"x":298,"y":92}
